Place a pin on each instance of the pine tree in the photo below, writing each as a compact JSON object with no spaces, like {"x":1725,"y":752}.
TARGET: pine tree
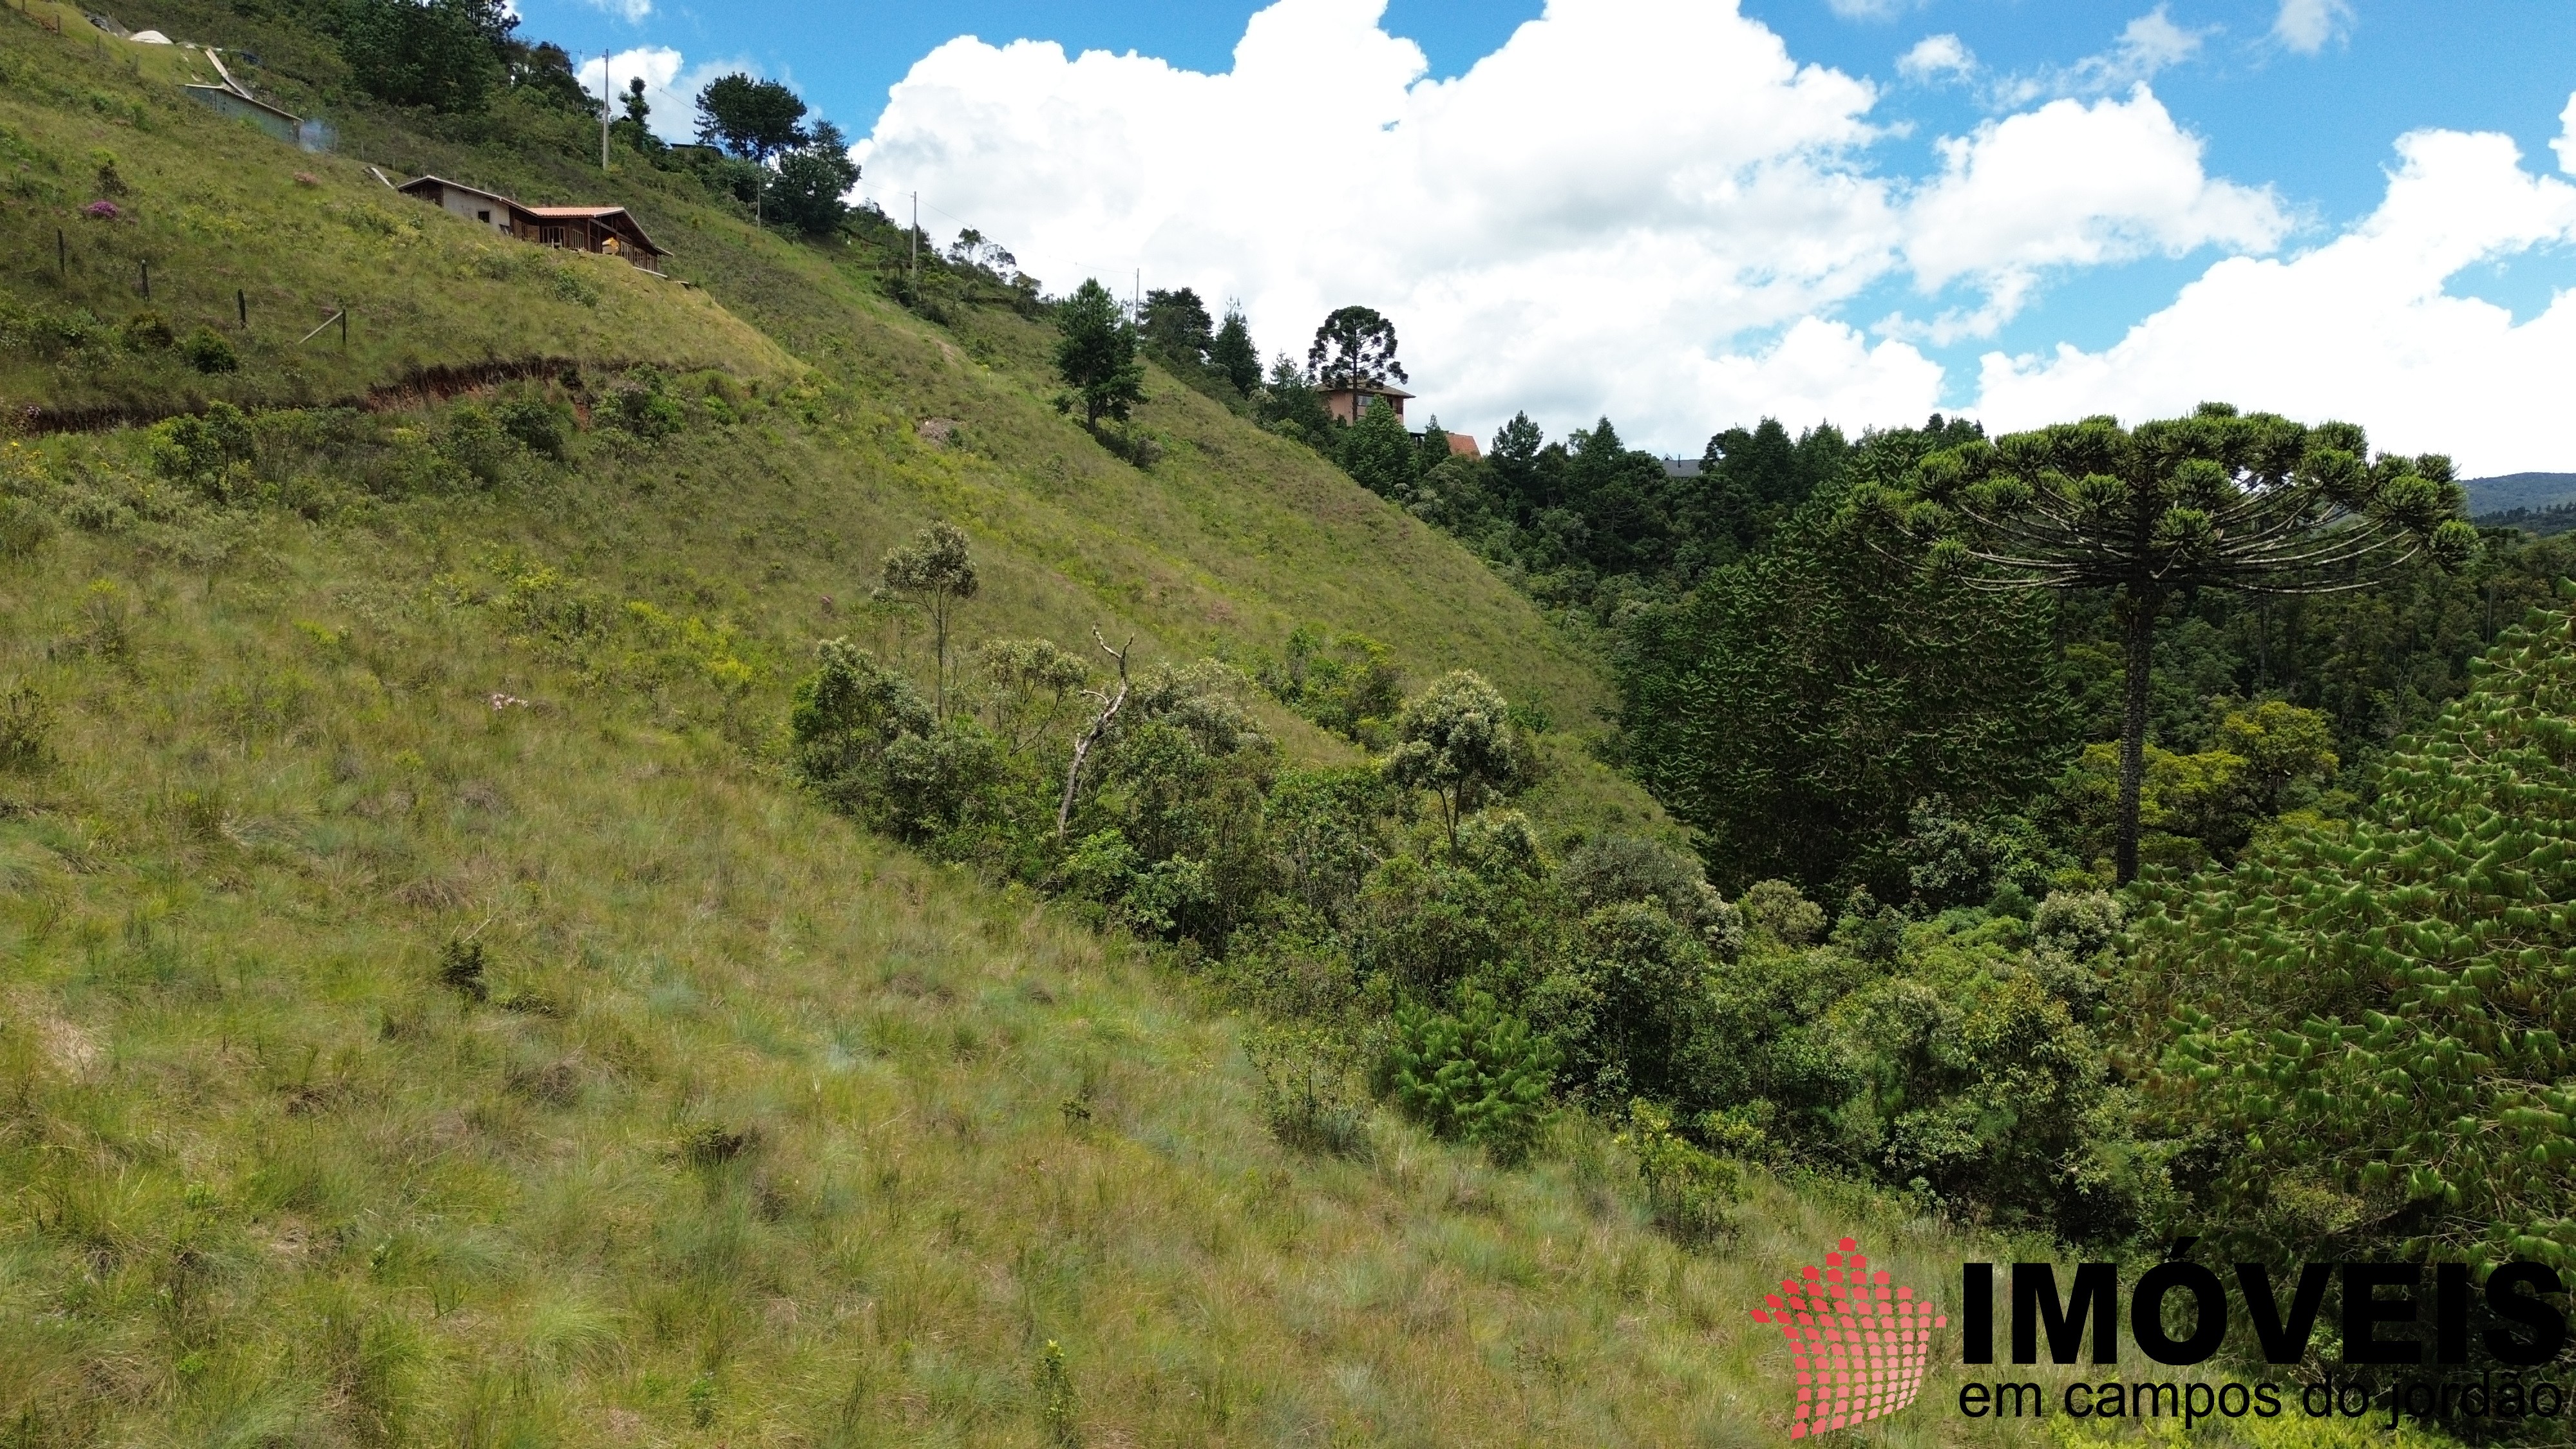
{"x":2372,"y":1021}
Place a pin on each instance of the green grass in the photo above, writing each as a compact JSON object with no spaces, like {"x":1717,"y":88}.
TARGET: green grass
{"x":753,"y":1102}
{"x":754,"y":1129}
{"x":216,"y":209}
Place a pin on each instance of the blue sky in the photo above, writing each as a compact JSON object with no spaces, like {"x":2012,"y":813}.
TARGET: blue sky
{"x":2292,"y":105}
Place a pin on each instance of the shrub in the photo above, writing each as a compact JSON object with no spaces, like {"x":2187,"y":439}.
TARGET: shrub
{"x":476,"y":444}
{"x":1688,"y":1191}
{"x":460,"y":969}
{"x":1306,"y":1092}
{"x":644,"y":407}
{"x":848,"y":713}
{"x":1776,"y":908}
{"x":146,"y":332}
{"x":26,"y":725}
{"x":1479,"y":1076}
{"x":199,"y":450}
{"x":208,"y":352}
{"x":536,"y":424}
{"x":24,"y":528}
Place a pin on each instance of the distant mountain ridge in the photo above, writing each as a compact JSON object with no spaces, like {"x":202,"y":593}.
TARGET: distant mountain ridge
{"x":2535,"y":491}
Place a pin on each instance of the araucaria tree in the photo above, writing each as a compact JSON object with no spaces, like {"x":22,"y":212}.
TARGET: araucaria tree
{"x":1097,"y":355}
{"x":2253,"y":502}
{"x":936,"y":570}
{"x":1355,"y":347}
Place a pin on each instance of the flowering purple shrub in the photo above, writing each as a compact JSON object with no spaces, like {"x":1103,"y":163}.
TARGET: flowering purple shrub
{"x":103,"y":210}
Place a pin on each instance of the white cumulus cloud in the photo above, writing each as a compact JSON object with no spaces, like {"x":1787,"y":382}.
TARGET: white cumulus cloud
{"x":1651,"y":210}
{"x":1936,"y":56}
{"x":2147,"y":45}
{"x":2308,"y":26}
{"x":2565,"y":145}
{"x":2360,"y":328}
{"x":1639,"y":207}
{"x":2070,"y":185}
{"x":1588,"y":215}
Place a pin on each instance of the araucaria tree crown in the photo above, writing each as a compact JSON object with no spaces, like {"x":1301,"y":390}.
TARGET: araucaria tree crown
{"x":2252,"y":502}
{"x":1354,"y":347}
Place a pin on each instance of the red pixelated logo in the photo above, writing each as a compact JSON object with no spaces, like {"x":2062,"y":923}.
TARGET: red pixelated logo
{"x":1859,"y":1343}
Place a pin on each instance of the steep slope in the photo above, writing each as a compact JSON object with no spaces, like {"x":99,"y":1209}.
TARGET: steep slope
{"x":751,"y":1129}
{"x":426,"y":1015}
{"x":118,"y":183}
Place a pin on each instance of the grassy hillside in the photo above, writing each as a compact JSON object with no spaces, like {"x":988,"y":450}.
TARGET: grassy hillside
{"x":428,"y":1015}
{"x":762,"y":1132}
{"x":224,"y":219}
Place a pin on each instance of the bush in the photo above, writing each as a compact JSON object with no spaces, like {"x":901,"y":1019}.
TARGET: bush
{"x":1306,"y":1092}
{"x":146,"y":332}
{"x":26,"y":727}
{"x":847,"y":715}
{"x":24,"y":528}
{"x":645,"y":408}
{"x":203,"y":452}
{"x":477,"y":445}
{"x":1480,"y":1076}
{"x":208,"y":352}
{"x":536,"y":424}
{"x":1687,"y":1190}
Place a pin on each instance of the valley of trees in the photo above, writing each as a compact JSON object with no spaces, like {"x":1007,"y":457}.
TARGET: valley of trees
{"x":1928,"y":702}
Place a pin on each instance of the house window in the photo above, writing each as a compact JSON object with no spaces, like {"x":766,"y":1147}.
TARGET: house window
{"x":552,"y":235}
{"x":483,"y":216}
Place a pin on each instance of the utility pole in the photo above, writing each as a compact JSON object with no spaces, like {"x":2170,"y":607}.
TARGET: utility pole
{"x":607,"y":102}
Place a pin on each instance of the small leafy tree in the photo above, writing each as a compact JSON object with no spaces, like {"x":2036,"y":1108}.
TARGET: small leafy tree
{"x":1289,"y":406}
{"x":1480,"y":1076}
{"x":1232,"y":355}
{"x":1456,"y":740}
{"x":753,"y":119}
{"x":1355,"y":347}
{"x":1378,"y":452}
{"x":937,"y":571}
{"x":847,"y":714}
{"x":812,"y":180}
{"x":1097,"y":356}
{"x":1032,"y":681}
{"x":1687,"y":1189}
{"x":2254,"y":503}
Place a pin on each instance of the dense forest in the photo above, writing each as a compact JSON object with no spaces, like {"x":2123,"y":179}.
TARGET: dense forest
{"x":1904,"y":942}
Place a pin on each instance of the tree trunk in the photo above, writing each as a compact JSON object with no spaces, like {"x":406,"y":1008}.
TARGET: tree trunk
{"x":2142,"y":609}
{"x":1083,"y":743}
{"x":939,"y":647}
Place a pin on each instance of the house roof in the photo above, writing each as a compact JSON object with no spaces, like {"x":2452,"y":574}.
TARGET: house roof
{"x":1373,"y":389}
{"x":423,"y":183}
